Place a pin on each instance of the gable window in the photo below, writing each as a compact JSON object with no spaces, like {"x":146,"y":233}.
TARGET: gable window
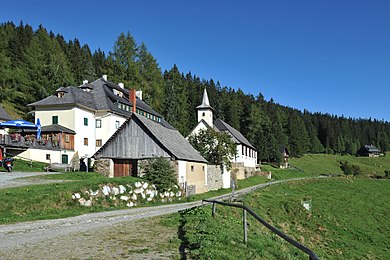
{"x":116,"y":124}
{"x":54,"y":120}
{"x":98,"y":142}
{"x":203,"y":114}
{"x":85,"y":121}
{"x":66,"y":138}
{"x":192,"y":168}
{"x":98,"y":123}
{"x":86,"y":141}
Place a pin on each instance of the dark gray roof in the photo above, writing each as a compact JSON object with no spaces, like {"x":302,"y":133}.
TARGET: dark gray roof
{"x":172,"y":140}
{"x":371,"y":149}
{"x":99,"y":97}
{"x":55,"y":128}
{"x":236,"y":135}
{"x":72,"y":96}
{"x":4,"y":115}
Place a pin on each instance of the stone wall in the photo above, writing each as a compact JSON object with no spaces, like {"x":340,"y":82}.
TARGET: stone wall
{"x":102,"y":166}
{"x":214,"y":177}
{"x":242,"y":172}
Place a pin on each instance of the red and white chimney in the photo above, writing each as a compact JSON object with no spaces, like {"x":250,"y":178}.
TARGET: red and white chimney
{"x":133,"y":99}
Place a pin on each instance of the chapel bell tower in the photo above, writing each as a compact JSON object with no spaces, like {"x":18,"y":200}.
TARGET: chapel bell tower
{"x":205,"y":111}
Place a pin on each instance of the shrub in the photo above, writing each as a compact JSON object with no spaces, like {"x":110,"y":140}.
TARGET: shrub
{"x":160,"y":172}
{"x":350,"y":169}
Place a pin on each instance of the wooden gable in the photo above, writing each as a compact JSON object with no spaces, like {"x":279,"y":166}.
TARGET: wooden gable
{"x":133,"y":141}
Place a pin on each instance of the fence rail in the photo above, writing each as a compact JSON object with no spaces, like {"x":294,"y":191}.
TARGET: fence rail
{"x":293,"y":242}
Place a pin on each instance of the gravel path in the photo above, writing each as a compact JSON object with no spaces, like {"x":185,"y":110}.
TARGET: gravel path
{"x":17,"y":239}
{"x":15,"y":179}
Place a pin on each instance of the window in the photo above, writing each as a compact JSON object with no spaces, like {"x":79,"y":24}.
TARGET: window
{"x":116,"y":124}
{"x":202,"y":168}
{"x":98,"y":142}
{"x":192,"y":168}
{"x":98,"y":123}
{"x":243,"y":150}
{"x":85,"y":121}
{"x":203,"y":114}
{"x":47,"y":156}
{"x":86,"y":141}
{"x":54,"y":120}
{"x":66,"y":138}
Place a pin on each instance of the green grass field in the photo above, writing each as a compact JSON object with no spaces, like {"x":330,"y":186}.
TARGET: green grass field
{"x":330,"y":164}
{"x":349,"y":220}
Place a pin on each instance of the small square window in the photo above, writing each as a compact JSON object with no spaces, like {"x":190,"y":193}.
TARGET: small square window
{"x":85,"y":121}
{"x":98,"y":142}
{"x":98,"y":123}
{"x":47,"y":156}
{"x":86,"y":141}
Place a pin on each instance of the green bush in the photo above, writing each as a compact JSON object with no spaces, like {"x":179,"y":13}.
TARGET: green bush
{"x":350,"y":169}
{"x":160,"y":172}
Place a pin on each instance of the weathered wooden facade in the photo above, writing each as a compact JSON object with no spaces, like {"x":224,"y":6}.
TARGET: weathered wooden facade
{"x":140,"y":138}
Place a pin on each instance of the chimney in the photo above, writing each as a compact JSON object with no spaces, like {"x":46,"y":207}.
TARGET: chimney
{"x":104,"y":77}
{"x":85,"y":81}
{"x":121,"y":85}
{"x":139,"y":94}
{"x":133,"y":99}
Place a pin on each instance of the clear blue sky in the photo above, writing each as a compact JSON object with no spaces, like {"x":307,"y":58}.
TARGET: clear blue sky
{"x":324,"y":56}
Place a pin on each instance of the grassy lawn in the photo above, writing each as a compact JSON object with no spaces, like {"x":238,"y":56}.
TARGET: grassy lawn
{"x":26,"y":166}
{"x":330,"y":164}
{"x":47,"y":201}
{"x":348,"y":221}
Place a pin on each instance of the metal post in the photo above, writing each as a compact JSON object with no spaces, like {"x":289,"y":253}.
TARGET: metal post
{"x":245,"y":226}
{"x":214,"y":208}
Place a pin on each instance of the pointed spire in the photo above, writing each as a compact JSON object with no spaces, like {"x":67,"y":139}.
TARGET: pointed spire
{"x":205,"y":101}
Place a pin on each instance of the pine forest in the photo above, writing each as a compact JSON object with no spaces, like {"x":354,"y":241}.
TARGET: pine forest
{"x":34,"y":63}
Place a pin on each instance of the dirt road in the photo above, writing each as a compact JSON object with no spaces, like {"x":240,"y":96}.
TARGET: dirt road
{"x":92,"y":236}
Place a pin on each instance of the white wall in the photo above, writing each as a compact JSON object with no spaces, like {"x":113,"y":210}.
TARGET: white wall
{"x":108,"y":126}
{"x":181,"y":168}
{"x":66,"y":116}
{"x":83,"y":131}
{"x":249,"y":161}
{"x":39,"y":155}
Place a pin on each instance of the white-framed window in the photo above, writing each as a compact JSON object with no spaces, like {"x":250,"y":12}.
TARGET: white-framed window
{"x":116,"y":124}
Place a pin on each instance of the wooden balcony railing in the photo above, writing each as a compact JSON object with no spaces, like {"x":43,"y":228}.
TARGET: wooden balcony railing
{"x":29,"y":141}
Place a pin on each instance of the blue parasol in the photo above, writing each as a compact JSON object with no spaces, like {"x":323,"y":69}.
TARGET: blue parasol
{"x":38,"y":129}
{"x":18,"y":124}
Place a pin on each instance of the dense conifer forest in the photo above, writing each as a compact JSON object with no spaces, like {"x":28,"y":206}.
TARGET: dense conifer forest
{"x":34,"y":63}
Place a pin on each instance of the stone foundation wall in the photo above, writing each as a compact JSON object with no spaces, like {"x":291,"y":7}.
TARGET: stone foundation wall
{"x":214,"y":177}
{"x":103,"y":166}
{"x":242,"y":172}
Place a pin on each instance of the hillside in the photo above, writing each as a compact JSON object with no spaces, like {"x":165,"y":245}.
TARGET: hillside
{"x":347,"y":220}
{"x":35,"y":62}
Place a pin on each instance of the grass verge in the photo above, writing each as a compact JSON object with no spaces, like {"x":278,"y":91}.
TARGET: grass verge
{"x":348,"y":220}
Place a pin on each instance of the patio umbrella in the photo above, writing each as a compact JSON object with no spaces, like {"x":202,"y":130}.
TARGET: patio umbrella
{"x":22,"y":124}
{"x":38,"y":128}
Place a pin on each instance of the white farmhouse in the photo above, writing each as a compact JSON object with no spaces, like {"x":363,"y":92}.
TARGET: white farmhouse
{"x":89,"y":115}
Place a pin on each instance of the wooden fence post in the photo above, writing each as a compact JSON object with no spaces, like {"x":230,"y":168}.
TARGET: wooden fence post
{"x":245,"y":226}
{"x":214,"y":208}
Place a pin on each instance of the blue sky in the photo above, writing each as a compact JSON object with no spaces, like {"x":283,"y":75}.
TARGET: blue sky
{"x":323,"y":56}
